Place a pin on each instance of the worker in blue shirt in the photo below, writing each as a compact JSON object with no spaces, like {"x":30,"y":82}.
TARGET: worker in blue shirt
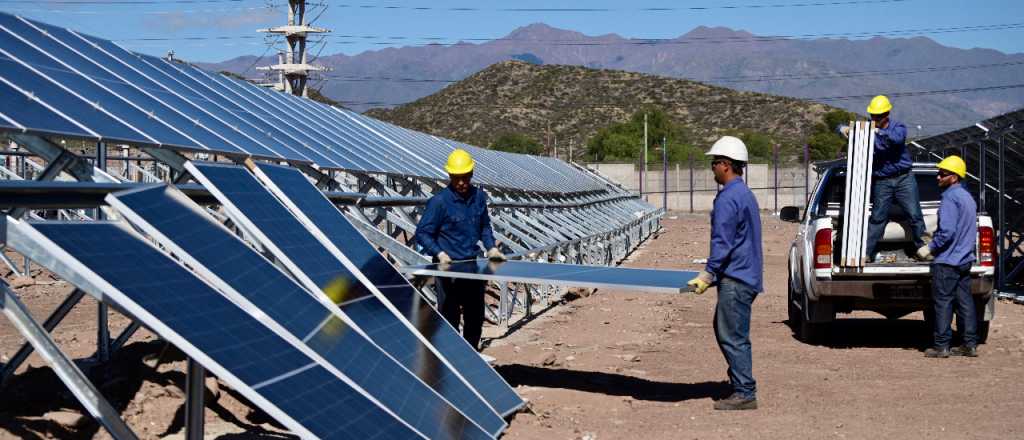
{"x":953,"y":249}
{"x":735,"y":264}
{"x":454,"y":221}
{"x":892,"y":180}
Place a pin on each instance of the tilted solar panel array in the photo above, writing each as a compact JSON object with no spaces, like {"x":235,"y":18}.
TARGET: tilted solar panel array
{"x":55,"y":81}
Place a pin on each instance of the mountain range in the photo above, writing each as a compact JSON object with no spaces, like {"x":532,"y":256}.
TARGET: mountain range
{"x":932,"y":85}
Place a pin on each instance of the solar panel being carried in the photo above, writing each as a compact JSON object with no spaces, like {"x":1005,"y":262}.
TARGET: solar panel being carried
{"x":254,"y":208}
{"x":113,"y":264}
{"x":314,"y":209}
{"x":654,"y":280}
{"x":178,"y":224}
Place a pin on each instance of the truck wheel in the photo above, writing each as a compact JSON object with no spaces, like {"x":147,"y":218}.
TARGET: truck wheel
{"x":796,"y":316}
{"x":807,"y":332}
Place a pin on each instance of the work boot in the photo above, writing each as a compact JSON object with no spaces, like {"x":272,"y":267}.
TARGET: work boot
{"x":965,"y":351}
{"x":934,"y":352}
{"x":736,"y":401}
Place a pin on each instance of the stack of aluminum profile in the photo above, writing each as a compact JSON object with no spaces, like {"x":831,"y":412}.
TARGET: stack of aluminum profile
{"x":860,"y":153}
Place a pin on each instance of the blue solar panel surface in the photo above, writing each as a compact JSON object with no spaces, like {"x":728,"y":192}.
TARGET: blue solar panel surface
{"x":103,"y":91}
{"x":326,"y":217}
{"x":565,"y":274}
{"x":250,"y":351}
{"x":298,"y":245}
{"x":171,"y":214}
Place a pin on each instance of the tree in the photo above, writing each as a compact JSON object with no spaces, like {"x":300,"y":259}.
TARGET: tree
{"x":517,"y":143}
{"x":825,"y":141}
{"x":624,"y":141}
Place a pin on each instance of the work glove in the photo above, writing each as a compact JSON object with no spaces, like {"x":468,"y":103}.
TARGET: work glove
{"x":701,"y":283}
{"x":443,"y":260}
{"x":874,"y":130}
{"x":924,"y":253}
{"x":494,"y":254}
{"x":844,"y":130}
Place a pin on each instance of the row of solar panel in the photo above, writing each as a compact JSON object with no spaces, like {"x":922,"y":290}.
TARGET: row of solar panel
{"x":339,"y":346}
{"x":60,"y":82}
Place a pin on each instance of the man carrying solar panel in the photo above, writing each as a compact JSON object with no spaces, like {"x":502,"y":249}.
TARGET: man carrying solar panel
{"x":735,"y":265}
{"x":454,"y":221}
{"x":892,"y":181}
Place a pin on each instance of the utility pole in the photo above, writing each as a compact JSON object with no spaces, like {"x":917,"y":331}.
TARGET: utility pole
{"x":293,"y":66}
{"x":664,"y":172}
{"x":643,"y":168}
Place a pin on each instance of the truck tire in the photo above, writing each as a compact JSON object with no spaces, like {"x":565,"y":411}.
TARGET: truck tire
{"x":805,"y":331}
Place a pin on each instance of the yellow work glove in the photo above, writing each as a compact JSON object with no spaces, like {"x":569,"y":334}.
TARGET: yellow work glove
{"x":494,"y":254}
{"x":924,"y":253}
{"x":701,"y":283}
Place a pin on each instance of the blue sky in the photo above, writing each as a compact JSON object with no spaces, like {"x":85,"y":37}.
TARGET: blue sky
{"x":228,"y":27}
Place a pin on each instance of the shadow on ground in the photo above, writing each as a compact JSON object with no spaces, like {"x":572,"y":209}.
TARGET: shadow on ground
{"x":908,"y":334}
{"x":611,"y":384}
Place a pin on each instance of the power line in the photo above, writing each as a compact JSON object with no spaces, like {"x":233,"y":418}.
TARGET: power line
{"x":723,"y":79}
{"x":435,"y":40}
{"x":639,"y":9}
{"x":723,"y":101}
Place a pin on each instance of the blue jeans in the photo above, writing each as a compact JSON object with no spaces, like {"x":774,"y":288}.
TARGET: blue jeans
{"x":951,"y":286}
{"x":901,"y":189}
{"x":732,"y":330}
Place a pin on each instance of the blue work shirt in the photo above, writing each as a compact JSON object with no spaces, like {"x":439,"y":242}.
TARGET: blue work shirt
{"x":954,"y":240}
{"x":736,"y":236}
{"x":891,"y":155}
{"x":454,"y":224}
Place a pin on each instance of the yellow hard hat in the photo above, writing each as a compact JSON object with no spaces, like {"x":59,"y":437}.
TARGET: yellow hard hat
{"x":879,"y":104}
{"x":459,"y":162}
{"x":955,"y":165}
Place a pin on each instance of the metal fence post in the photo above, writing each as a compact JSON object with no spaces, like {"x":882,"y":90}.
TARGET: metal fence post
{"x":775,"y":160}
{"x":690,"y":156}
{"x":102,"y":329}
{"x":807,"y":172}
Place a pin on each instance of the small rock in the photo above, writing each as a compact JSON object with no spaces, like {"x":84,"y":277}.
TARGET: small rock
{"x":21,"y":282}
{"x":589,"y":436}
{"x":65,"y":418}
{"x":628,"y":357}
{"x":570,"y":358}
{"x":547,"y":359}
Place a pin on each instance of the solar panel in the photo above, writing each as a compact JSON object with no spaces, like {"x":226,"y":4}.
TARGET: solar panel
{"x":671,"y":281}
{"x":304,"y":200}
{"x":178,"y":224}
{"x":58,"y":81}
{"x":276,"y":376}
{"x":248,"y":203}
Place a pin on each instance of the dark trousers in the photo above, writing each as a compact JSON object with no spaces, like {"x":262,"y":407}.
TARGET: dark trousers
{"x":951,"y":286}
{"x":885,"y":191}
{"x":463,"y":300}
{"x":732,"y":330}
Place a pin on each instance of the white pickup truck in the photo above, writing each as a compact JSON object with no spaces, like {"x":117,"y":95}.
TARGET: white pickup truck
{"x":894,"y":285}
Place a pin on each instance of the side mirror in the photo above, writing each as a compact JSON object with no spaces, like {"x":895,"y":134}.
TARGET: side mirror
{"x":790,"y":214}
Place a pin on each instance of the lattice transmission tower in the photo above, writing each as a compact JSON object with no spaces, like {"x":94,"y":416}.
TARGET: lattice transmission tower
{"x":293,"y":67}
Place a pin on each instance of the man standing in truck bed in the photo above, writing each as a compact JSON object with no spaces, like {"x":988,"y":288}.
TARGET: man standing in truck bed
{"x":953,"y":248}
{"x":893,"y":181}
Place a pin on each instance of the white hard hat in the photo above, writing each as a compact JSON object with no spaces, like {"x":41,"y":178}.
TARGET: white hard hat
{"x":729,"y":146}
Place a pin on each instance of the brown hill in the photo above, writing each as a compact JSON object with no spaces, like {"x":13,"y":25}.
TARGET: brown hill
{"x":559,"y":105}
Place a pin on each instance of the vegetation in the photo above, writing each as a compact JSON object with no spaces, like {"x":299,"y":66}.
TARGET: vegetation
{"x":623,"y":142}
{"x":517,"y":143}
{"x":571,"y":105}
{"x":825,"y":141}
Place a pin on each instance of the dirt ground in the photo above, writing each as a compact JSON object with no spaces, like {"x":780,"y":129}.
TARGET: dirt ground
{"x":609,"y":365}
